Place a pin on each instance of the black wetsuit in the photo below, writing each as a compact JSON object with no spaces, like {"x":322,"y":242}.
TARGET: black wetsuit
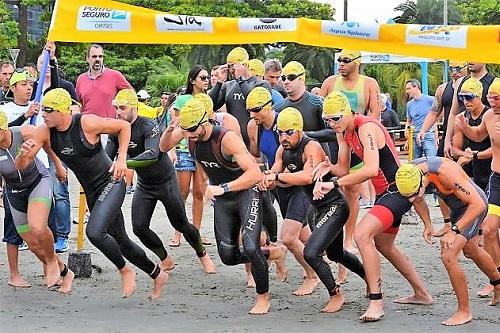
{"x":105,"y":228}
{"x":446,"y":101}
{"x":234,"y":212}
{"x":156,"y":181}
{"x":326,"y":221}
{"x":233,"y":94}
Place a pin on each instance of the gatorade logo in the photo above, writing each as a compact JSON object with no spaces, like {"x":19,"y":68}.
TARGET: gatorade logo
{"x":437,"y":35}
{"x":102,"y":19}
{"x":183,"y":23}
{"x":351,"y":29}
{"x":267,"y":24}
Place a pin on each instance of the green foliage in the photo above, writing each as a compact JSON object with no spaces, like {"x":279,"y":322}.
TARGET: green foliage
{"x":480,"y":11}
{"x":318,"y":61}
{"x":9,"y":31}
{"x":427,"y":12}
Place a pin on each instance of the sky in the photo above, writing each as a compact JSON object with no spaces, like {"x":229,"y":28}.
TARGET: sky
{"x":365,"y":10}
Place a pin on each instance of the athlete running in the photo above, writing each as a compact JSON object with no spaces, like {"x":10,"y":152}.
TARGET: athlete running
{"x":76,"y":141}
{"x":156,"y":181}
{"x":467,"y":204}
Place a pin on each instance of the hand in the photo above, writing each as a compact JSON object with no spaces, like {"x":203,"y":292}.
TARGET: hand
{"x":406,"y":146}
{"x":215,"y":190}
{"x":222,"y":73}
{"x":448,"y":240}
{"x":51,"y":47}
{"x":27,"y":147}
{"x":420,"y":138}
{"x":321,"y":189}
{"x":61,"y":174}
{"x":428,"y":232}
{"x":173,"y":156}
{"x":119,"y":169}
{"x":34,"y":108}
{"x":468,"y":153}
{"x":320,"y":170}
{"x":174,"y":122}
{"x":268,"y":180}
{"x":446,"y":227}
{"x":463,"y":160}
{"x":448,"y":150}
{"x":461,"y":122}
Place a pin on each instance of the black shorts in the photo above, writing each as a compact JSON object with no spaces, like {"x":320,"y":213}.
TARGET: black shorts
{"x":293,"y":203}
{"x":494,"y":194}
{"x":389,"y":208}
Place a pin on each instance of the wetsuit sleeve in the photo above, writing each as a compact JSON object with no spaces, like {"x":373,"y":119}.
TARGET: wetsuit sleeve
{"x":323,"y":135}
{"x":217,"y":94}
{"x":151,"y":152}
{"x":112,"y":147}
{"x":247,"y":85}
{"x":18,"y":121}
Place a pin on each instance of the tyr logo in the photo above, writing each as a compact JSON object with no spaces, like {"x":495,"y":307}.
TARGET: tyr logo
{"x":238,"y":96}
{"x":210,"y":164}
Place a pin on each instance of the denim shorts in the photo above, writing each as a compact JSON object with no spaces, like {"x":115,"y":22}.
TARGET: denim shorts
{"x":185,"y":162}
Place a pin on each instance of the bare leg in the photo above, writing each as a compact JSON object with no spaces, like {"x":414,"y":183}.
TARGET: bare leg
{"x":492,"y":245}
{"x":445,"y":211}
{"x":15,"y":278}
{"x":290,"y":231}
{"x":250,"y":280}
{"x":184,"y":179}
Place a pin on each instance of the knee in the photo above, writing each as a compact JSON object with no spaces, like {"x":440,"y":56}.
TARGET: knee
{"x":288,"y":240}
{"x":228,"y":254}
{"x":311,"y":256}
{"x":468,"y":253}
{"x":489,"y":232}
{"x":361,"y":238}
{"x":94,"y":234}
{"x":448,"y":258}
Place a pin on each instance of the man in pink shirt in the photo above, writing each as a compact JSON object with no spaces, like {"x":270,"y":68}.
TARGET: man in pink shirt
{"x":99,"y":85}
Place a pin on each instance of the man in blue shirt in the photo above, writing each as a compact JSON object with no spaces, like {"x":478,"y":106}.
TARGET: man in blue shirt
{"x":416,"y":110}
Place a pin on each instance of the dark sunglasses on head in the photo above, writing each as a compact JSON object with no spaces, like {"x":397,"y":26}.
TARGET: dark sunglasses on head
{"x":47,"y":109}
{"x":466,"y":97}
{"x":493,"y":98}
{"x":195,"y":127}
{"x":290,"y":77}
{"x":336,"y":118}
{"x":456,"y":69}
{"x":346,"y":60}
{"x":259,"y":108}
{"x":287,"y":132}
{"x":204,"y":77}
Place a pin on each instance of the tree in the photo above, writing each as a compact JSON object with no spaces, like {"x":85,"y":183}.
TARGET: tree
{"x":427,"y":12}
{"x":480,"y":11}
{"x":8,"y":31}
{"x":318,"y":61}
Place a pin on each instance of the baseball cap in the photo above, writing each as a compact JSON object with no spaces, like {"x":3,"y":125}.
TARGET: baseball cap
{"x":125,"y":97}
{"x":290,"y":118}
{"x":457,"y":63}
{"x":143,"y":94}
{"x":238,"y":54}
{"x":336,"y":103}
{"x":57,"y":99}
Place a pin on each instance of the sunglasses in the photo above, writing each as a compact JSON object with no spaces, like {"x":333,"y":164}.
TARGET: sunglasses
{"x":336,"y":118}
{"x":48,"y":110}
{"x":290,"y":77}
{"x":259,"y":108}
{"x":204,"y":77}
{"x":466,"y":97}
{"x":346,"y":60}
{"x":456,"y":69}
{"x":195,"y":127}
{"x":493,"y":98}
{"x":287,"y":132}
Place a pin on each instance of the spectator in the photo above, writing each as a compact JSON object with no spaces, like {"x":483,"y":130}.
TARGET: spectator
{"x":272,"y":74}
{"x":416,"y":110}
{"x":315,"y":91}
{"x":213,"y":75}
{"x":97,"y":87}
{"x":143,"y":108}
{"x":6,"y":71}
{"x":389,"y":117}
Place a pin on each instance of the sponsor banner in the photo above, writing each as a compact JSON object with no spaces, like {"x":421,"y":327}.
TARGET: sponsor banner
{"x":183,"y":23}
{"x":437,"y":35}
{"x":102,"y":19}
{"x":351,"y":29}
{"x":267,"y":24}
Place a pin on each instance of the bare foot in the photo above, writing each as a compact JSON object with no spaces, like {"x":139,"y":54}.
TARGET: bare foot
{"x":496,"y":296}
{"x":128,"y":281}
{"x":205,"y":241}
{"x":18,"y":282}
{"x":420,"y":300}
{"x":250,"y":281}
{"x":261,"y":306}
{"x":486,"y":291}
{"x":281,"y":270}
{"x":342,"y":277}
{"x":158,"y":285}
{"x":208,"y":264}
{"x":335,"y":303}
{"x":67,"y":282}
{"x":444,"y":229}
{"x":307,"y":287}
{"x":52,"y":273}
{"x":175,"y":241}
{"x":374,"y":312}
{"x":459,"y":318}
{"x":167,"y":264}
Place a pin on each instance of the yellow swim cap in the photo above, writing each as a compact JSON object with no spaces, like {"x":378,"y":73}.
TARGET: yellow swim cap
{"x":408,"y":179}
{"x":256,"y":67}
{"x":494,"y":87}
{"x":290,"y":118}
{"x":207,"y":101}
{"x":192,"y":113}
{"x":258,"y":97}
{"x":4,"y":120}
{"x":351,"y":54}
{"x":336,"y":103}
{"x":472,"y":85}
{"x":457,"y":63}
{"x":238,"y":54}
{"x":296,"y":68}
{"x":126,"y":97}
{"x":57,"y":99}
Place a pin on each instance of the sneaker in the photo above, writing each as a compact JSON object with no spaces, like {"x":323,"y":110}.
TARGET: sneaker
{"x":23,"y":247}
{"x":129,"y":190}
{"x":61,"y":245}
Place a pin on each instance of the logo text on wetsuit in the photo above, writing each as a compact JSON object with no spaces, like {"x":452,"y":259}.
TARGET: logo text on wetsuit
{"x":267,"y":24}
{"x":238,"y":96}
{"x":253,"y":214}
{"x":102,"y":19}
{"x":67,"y":151}
{"x":183,"y":23}
{"x":325,"y":218}
{"x":210,"y":165}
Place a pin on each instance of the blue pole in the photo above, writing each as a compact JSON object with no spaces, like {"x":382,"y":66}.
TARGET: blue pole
{"x":425,"y":77}
{"x":41,"y":79}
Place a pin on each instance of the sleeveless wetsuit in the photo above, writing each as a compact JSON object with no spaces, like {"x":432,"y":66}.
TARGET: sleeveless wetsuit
{"x":356,"y":95}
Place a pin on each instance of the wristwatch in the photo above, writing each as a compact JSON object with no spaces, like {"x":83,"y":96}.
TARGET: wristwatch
{"x":474,"y":155}
{"x":225,"y":187}
{"x":455,"y":229}
{"x":334,"y":180}
{"x":276,"y":174}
